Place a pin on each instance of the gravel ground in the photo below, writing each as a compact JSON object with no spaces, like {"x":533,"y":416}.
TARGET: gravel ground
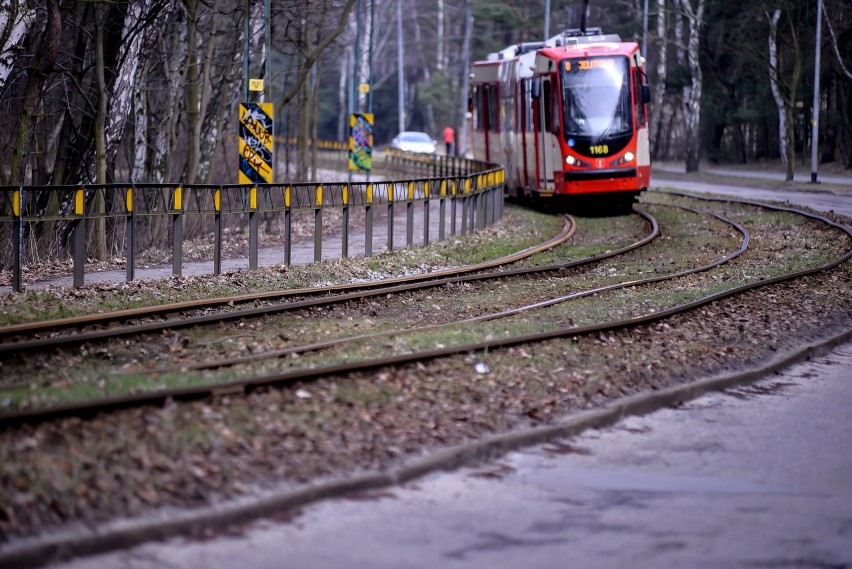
{"x":194,"y":454}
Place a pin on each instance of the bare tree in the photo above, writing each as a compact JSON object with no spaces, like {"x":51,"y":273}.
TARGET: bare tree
{"x":784,"y":86}
{"x":774,"y":84}
{"x":16,"y":19}
{"x":834,"y":44}
{"x":660,"y":80}
{"x":692,"y":93}
{"x":37,"y":73}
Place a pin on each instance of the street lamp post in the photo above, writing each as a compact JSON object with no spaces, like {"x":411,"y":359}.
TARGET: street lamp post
{"x":815,"y":108}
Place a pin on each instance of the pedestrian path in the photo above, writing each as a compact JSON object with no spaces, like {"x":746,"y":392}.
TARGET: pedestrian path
{"x":779,"y":176}
{"x":302,"y":250}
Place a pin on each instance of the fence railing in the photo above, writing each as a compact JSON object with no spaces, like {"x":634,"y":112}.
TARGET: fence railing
{"x":134,"y":217}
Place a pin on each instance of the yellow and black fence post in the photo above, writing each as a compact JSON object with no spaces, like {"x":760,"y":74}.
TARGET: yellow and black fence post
{"x":368,"y":222}
{"x":130,"y":225}
{"x":426,"y":212}
{"x":177,"y":232}
{"x":454,"y":206}
{"x":465,"y":204}
{"x":79,"y":236}
{"x":390,"y":216}
{"x":252,"y":219}
{"x":17,"y":237}
{"x":485,"y":209}
{"x":442,"y":209}
{"x":409,"y":215}
{"x":288,"y":227}
{"x":318,"y":226}
{"x":217,"y":228}
{"x":344,"y":237}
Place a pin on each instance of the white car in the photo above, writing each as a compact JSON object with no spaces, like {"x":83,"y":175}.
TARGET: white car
{"x":413,"y":141}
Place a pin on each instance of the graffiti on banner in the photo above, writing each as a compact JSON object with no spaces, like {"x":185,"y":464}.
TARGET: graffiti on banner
{"x":361,"y":141}
{"x":255,"y":143}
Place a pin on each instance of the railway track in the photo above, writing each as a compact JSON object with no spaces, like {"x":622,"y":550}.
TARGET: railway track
{"x":247,"y":384}
{"x":317,"y":297}
{"x":100,"y":326}
{"x":322,"y":345}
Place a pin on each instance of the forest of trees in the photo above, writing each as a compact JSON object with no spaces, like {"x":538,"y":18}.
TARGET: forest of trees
{"x":147,"y":90}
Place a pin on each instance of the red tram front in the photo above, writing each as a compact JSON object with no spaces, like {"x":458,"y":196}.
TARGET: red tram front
{"x":567,"y":118}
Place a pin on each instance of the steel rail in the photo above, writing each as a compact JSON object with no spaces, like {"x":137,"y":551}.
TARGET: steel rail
{"x":316,"y":346}
{"x":86,"y":408}
{"x":420,"y":283}
{"x":567,"y":231}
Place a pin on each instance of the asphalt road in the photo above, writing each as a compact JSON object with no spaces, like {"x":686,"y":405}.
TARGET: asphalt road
{"x":777,"y":176}
{"x":812,"y":195}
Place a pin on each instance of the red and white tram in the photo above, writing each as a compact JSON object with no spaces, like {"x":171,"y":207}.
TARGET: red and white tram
{"x":567,"y":118}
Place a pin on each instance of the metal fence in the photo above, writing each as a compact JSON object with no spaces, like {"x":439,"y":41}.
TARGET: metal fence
{"x":135,"y":217}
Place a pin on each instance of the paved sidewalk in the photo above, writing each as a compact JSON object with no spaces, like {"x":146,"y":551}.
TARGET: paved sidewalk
{"x":800,"y":176}
{"x":302,"y":250}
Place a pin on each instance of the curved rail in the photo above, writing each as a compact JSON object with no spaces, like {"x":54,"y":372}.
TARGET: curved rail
{"x":6,"y":332}
{"x":364,"y":290}
{"x":249,"y":384}
{"x":221,"y":388}
{"x":314,"y":346}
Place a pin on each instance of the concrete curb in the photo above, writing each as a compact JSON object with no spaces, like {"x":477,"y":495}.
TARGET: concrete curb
{"x":86,"y":541}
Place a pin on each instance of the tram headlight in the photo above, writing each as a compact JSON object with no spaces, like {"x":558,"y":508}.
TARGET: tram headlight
{"x":576,"y":162}
{"x":623,"y":159}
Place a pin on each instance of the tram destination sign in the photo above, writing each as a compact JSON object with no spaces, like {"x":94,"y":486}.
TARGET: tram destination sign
{"x":587,"y":64}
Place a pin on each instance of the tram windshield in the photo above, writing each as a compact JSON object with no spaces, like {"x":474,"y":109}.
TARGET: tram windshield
{"x":596,"y":97}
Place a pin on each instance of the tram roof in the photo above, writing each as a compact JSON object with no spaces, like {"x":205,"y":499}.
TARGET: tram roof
{"x":589,"y":49}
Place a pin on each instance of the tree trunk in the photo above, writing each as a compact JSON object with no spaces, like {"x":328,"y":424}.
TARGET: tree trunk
{"x":461,"y":141}
{"x":15,"y":21}
{"x":660,"y":81}
{"x":45,"y":59}
{"x":140,"y":130}
{"x":315,"y":121}
{"x":342,"y":106}
{"x":692,"y":94}
{"x":193,"y":93}
{"x":139,"y":34}
{"x":788,"y":91}
{"x":846,"y":131}
{"x":100,"y":138}
{"x":739,"y":137}
{"x":440,"y":61}
{"x":775,"y":85}
{"x":303,"y":131}
{"x":174,"y":67}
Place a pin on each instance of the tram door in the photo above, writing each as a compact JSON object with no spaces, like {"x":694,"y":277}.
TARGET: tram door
{"x":548,"y":130}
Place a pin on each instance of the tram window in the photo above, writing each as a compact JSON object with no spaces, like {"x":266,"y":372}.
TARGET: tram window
{"x":483,"y":108}
{"x":554,"y":110}
{"x":548,"y":106}
{"x":475,"y":103}
{"x":519,"y":107}
{"x":493,"y":113}
{"x":640,"y":106}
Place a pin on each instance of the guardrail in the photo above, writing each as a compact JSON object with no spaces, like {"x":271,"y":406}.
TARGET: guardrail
{"x":66,"y":215}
